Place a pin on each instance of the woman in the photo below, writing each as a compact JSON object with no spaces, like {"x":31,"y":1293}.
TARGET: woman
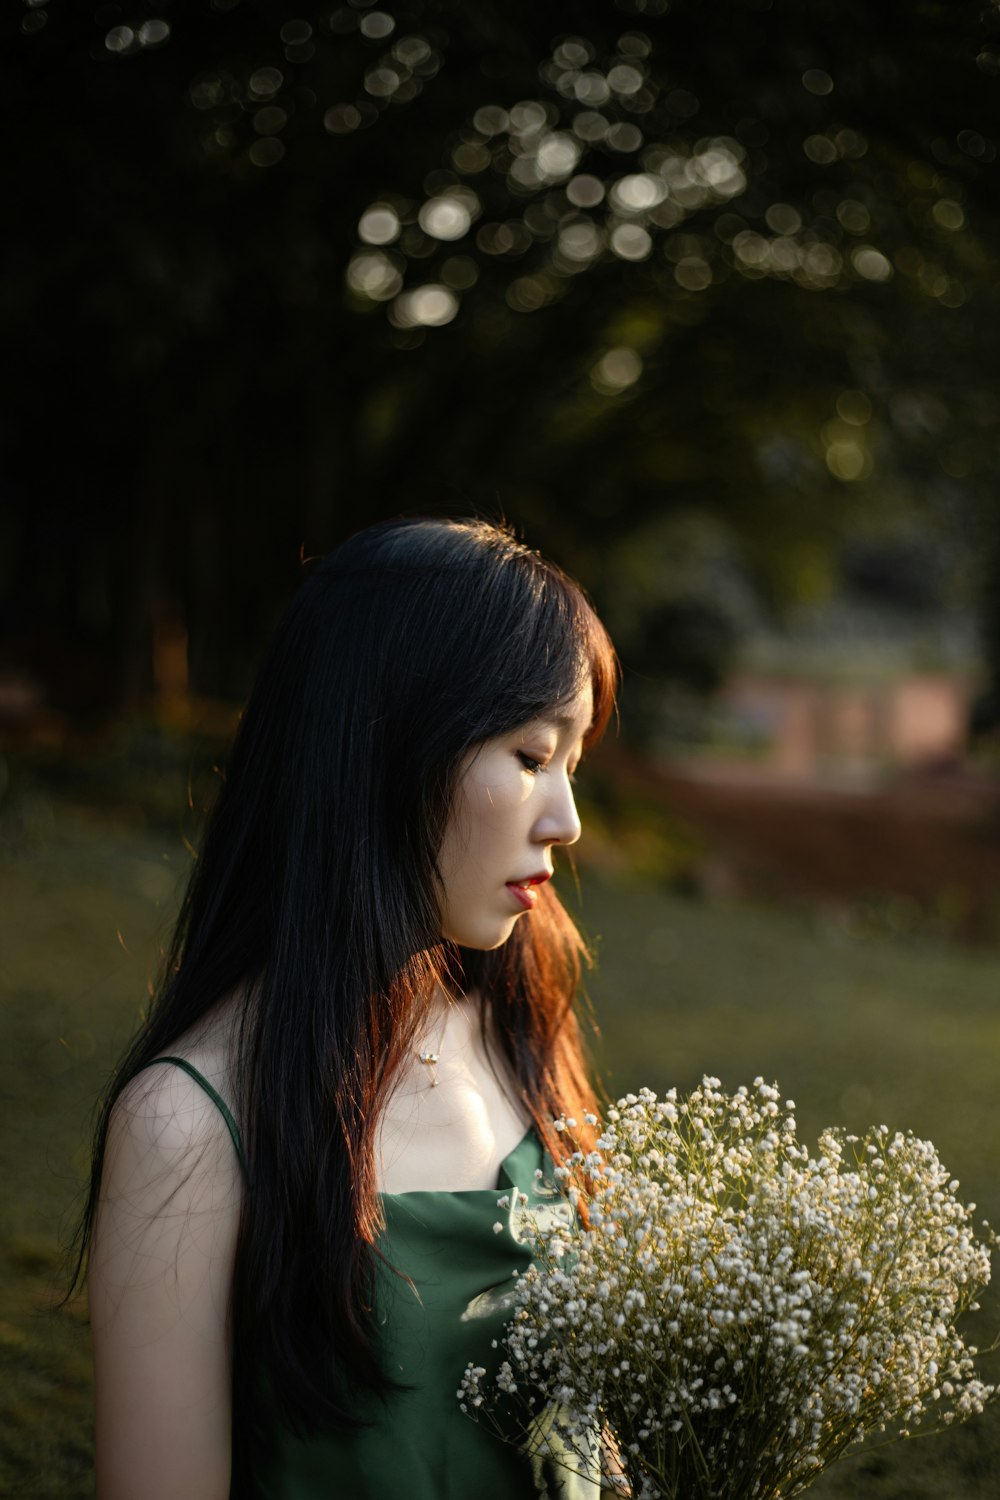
{"x":364,"y":1028}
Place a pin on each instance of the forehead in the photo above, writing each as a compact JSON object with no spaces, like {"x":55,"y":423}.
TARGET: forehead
{"x":574,"y":714}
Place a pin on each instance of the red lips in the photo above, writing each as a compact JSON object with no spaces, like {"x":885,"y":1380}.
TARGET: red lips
{"x":522,"y":890}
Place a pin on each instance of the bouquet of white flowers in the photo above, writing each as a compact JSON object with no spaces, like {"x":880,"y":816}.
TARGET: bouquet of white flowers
{"x":732,"y":1312}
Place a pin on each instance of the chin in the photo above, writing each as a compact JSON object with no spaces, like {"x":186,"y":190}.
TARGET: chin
{"x":483,"y":939}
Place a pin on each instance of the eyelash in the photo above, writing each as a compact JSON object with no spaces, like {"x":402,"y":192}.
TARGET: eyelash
{"x":529,"y":763}
{"x":535,"y":767}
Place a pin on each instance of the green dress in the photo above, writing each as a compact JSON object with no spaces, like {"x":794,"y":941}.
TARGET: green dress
{"x":423,"y":1446}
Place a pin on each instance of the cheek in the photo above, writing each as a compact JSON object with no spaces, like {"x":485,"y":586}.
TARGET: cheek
{"x":484,"y":844}
{"x":489,"y":819}
{"x":494,"y":804}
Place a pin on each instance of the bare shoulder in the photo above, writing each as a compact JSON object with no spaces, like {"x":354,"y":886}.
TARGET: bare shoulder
{"x":168,"y":1149}
{"x":165,"y":1112}
{"x":167,"y":1138}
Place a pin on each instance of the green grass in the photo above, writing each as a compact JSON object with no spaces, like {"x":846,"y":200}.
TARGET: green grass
{"x":856,"y":1030}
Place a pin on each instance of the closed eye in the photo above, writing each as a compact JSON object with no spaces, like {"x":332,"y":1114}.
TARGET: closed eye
{"x":529,"y":763}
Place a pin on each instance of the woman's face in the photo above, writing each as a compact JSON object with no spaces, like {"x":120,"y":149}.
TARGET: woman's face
{"x":514,"y":800}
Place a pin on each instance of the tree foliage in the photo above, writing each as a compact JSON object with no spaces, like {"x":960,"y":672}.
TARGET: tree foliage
{"x":692,"y":291}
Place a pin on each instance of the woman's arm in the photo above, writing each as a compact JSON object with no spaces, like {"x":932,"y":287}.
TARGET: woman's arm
{"x":159,"y":1283}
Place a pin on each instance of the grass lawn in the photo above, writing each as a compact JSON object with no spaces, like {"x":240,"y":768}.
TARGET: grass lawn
{"x":856,"y":1030}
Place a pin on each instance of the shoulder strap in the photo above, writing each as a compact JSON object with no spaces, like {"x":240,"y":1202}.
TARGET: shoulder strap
{"x":217,"y":1100}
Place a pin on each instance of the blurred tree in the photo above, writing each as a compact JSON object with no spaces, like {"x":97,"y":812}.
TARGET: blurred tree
{"x":282,"y":268}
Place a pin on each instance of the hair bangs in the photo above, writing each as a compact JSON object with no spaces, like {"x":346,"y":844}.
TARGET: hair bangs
{"x":575,"y":641}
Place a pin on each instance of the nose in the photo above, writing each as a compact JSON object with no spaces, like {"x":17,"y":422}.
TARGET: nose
{"x":559,"y":822}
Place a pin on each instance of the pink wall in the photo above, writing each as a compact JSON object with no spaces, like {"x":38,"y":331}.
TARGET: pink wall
{"x":806,"y":725}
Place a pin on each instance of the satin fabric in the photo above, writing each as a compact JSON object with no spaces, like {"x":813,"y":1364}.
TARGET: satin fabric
{"x":422,"y":1446}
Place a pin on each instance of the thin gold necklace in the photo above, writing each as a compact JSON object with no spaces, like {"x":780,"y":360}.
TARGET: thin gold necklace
{"x":431,"y":1058}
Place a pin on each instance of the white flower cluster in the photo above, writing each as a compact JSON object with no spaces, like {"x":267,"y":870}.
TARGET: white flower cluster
{"x":736,"y":1311}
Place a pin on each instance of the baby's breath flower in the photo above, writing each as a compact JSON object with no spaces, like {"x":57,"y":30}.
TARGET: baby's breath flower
{"x":735,"y":1311}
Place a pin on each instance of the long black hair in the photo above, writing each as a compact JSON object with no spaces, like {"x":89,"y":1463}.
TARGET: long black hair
{"x":315,"y":896}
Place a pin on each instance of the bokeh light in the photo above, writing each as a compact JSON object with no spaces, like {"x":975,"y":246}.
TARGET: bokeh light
{"x":783,"y":218}
{"x":822,"y":264}
{"x":449,"y":216}
{"x":871,"y":263}
{"x":631,"y":242}
{"x":491,"y":120}
{"x":844,"y":440}
{"x":377,"y":24}
{"x":429,"y":306}
{"x":585,"y":191}
{"x":693,"y":273}
{"x":382,"y":82}
{"x":379,"y":224}
{"x":616,"y":370}
{"x":470,"y":157}
{"x":624,"y":137}
{"x":590,"y":126}
{"x":557,"y":156}
{"x":120,"y":39}
{"x":820,"y":149}
{"x":340,"y":119}
{"x":817,"y":82}
{"x":528,"y":293}
{"x":375,"y":275}
{"x":266,"y":152}
{"x":854,"y":217}
{"x":265,"y":83}
{"x":948,"y":214}
{"x":415,"y":53}
{"x":637,"y":192}
{"x":854,"y":407}
{"x":625,"y":79}
{"x":847,"y":459}
{"x":580,"y":242}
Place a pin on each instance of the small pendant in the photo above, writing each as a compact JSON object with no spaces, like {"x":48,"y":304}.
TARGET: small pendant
{"x":430,"y":1058}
